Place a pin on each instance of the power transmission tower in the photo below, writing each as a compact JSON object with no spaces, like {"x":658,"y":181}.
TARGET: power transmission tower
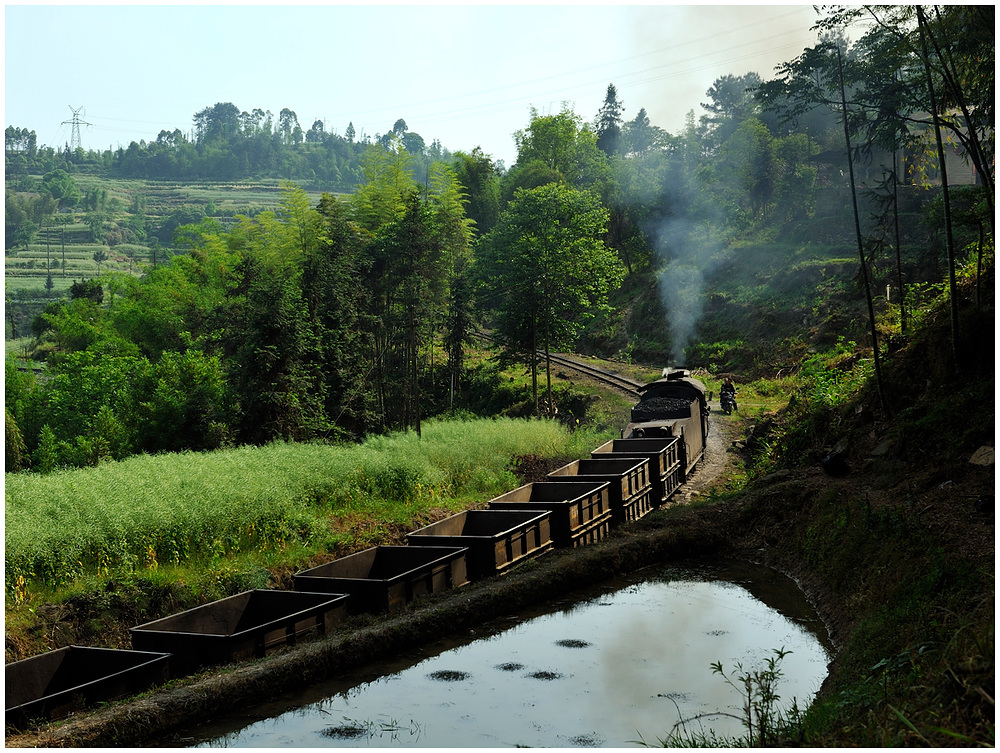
{"x":74,"y":139}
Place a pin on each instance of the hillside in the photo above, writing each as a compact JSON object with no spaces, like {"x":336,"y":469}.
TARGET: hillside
{"x":896,"y":550}
{"x":135,"y":234}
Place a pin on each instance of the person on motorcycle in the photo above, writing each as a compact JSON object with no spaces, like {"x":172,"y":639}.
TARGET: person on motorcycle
{"x":727,"y":395}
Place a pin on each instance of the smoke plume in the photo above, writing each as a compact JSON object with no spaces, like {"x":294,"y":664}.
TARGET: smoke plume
{"x":686,"y":256}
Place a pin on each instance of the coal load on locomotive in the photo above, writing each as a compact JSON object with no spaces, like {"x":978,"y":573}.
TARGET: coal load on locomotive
{"x":674,"y":406}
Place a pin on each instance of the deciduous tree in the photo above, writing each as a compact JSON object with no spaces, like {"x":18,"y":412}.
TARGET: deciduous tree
{"x":544,"y":271}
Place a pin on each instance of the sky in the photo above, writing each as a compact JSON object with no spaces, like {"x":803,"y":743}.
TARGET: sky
{"x":464,"y":74}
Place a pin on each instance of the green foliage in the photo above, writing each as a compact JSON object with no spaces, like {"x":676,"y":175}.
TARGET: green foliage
{"x":832,"y":378}
{"x":46,"y":456}
{"x":132,"y":515}
{"x":908,"y":625}
{"x":297,"y":323}
{"x":388,"y":182}
{"x":555,"y":148}
{"x":15,"y":451}
{"x":544,"y":269}
{"x":91,"y":289}
{"x":767,"y":723}
{"x":23,"y":216}
{"x":60,"y":186}
{"x":479,"y":176}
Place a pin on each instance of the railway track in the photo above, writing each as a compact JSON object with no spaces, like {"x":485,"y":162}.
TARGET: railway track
{"x":611,"y":379}
{"x":624,"y":384}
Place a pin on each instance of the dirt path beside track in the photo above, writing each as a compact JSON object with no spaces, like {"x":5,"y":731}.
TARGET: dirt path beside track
{"x":718,"y":463}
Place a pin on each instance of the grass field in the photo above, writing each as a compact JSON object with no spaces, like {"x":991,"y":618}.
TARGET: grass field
{"x":256,"y":502}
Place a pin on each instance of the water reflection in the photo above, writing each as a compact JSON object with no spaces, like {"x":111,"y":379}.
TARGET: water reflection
{"x":619,"y":664}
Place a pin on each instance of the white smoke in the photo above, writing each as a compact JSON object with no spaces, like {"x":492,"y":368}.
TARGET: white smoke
{"x":686,"y":256}
{"x":690,"y":45}
{"x":681,"y":287}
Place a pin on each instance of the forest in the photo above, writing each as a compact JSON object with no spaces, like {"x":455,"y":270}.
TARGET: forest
{"x":240,"y":351}
{"x":741,"y":243}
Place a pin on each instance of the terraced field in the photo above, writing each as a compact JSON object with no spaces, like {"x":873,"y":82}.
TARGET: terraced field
{"x":66,"y":248}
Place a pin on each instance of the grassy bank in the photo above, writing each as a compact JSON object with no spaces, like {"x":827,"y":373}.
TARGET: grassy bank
{"x":186,"y":528}
{"x":898,"y":545}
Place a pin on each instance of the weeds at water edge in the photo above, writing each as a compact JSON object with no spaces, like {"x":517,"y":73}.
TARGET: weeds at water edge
{"x":766,"y":724}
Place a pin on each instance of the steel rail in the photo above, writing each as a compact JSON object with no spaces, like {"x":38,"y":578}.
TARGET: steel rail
{"x":629,"y":386}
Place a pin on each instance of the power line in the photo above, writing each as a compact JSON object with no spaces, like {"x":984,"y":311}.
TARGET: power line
{"x":74,"y":139}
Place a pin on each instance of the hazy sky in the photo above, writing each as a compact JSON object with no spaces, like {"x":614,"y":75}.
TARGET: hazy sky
{"x":465,"y":74}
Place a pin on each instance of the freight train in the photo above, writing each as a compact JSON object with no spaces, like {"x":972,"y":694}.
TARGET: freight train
{"x":674,"y":406}
{"x":576,"y":505}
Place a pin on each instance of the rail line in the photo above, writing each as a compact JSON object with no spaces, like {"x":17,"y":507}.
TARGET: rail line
{"x":629,"y":386}
{"x":617,"y":381}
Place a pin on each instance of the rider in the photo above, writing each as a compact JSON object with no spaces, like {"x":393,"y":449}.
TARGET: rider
{"x":728,"y":388}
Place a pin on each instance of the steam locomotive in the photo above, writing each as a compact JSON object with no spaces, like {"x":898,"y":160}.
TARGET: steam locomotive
{"x":578,"y":504}
{"x":674,"y":406}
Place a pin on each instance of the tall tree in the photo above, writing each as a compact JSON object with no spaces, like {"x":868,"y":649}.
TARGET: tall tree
{"x":861,"y":250}
{"x":289,"y":128}
{"x":219,"y":123}
{"x":732,"y":102}
{"x":479,"y":176}
{"x":388,"y":183}
{"x":408,"y":281}
{"x":448,"y":203}
{"x":332,"y":283}
{"x":544,"y":271}
{"x":639,"y":134}
{"x":553,"y":148}
{"x":60,"y":186}
{"x":272,"y":354}
{"x":749,"y":156}
{"x":608,"y":124}
{"x":24,"y":215}
{"x":943,"y":167}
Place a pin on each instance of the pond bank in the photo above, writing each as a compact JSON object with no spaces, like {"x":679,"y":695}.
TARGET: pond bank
{"x":890,"y":563}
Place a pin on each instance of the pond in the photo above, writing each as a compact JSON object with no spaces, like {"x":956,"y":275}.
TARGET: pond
{"x":612,"y":666}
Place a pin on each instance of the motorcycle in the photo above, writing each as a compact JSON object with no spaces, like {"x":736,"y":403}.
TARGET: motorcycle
{"x":728,"y":402}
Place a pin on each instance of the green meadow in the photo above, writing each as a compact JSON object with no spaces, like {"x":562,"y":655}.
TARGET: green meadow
{"x":262,"y":506}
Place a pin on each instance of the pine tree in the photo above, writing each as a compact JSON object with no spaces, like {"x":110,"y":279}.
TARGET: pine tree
{"x":609,"y":123}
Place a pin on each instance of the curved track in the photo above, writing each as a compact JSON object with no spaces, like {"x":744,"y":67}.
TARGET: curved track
{"x":624,"y":384}
{"x":617,"y":381}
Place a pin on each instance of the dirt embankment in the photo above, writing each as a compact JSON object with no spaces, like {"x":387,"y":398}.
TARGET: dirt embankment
{"x":185,"y":701}
{"x":764,"y":525}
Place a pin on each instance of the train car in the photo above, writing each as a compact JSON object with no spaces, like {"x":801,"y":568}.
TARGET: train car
{"x":674,"y":406}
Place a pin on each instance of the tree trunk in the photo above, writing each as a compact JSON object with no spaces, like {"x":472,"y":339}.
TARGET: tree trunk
{"x":534,"y":364}
{"x":899,"y":257}
{"x":979,"y":267}
{"x":548,"y":372}
{"x":974,"y":146}
{"x":949,"y":238}
{"x":414,"y":382}
{"x":861,"y":250}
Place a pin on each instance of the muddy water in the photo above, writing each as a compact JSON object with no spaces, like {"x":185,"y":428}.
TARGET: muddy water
{"x":610,"y":667}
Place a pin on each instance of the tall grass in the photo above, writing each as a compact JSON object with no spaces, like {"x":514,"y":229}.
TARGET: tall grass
{"x":149,"y":510}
